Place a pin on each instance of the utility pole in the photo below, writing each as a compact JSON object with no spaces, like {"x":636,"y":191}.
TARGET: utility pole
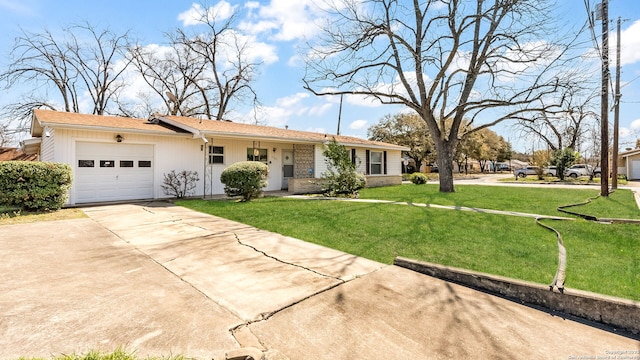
{"x":616,"y":117}
{"x":339,"y":114}
{"x":604,"y":105}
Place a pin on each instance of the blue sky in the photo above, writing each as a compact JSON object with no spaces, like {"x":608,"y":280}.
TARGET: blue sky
{"x":278,"y":28}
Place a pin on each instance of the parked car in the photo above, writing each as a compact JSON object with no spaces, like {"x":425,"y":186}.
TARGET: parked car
{"x":528,"y":170}
{"x":578,"y":170}
{"x":551,"y":171}
{"x":502,"y":167}
{"x":597,"y":171}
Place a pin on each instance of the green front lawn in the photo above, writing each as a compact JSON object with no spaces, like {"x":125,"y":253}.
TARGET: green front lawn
{"x":601,"y":258}
{"x":542,"y":201}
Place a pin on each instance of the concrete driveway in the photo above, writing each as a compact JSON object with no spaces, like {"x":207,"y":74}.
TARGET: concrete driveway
{"x":161,"y":279}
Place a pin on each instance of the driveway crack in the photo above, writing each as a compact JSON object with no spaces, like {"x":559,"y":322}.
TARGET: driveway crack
{"x":285,"y":262}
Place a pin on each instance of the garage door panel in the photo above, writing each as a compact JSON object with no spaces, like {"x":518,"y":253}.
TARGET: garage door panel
{"x":635,"y":169}
{"x":111,"y":172}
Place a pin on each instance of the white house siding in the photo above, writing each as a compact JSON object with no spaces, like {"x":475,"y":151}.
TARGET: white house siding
{"x":47,"y":146}
{"x":170,"y":153}
{"x":361,"y":160}
{"x":394,"y":160}
{"x":236,"y":151}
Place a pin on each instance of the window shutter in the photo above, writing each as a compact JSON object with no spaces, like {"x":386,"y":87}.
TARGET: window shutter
{"x":384,"y":160}
{"x":353,"y":156}
{"x":367,"y":171}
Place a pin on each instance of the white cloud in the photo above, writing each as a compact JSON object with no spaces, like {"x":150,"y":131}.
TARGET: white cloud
{"x":252,"y":5}
{"x":296,"y":106}
{"x":197,"y":15}
{"x":358,"y":125}
{"x":19,"y":7}
{"x":284,"y":108}
{"x":292,"y":100}
{"x":317,"y":130}
{"x":630,"y":44}
{"x":319,"y":110}
{"x":258,"y":51}
{"x":288,"y":20}
{"x":635,"y":124}
{"x":363,"y":100}
{"x":624,"y":132}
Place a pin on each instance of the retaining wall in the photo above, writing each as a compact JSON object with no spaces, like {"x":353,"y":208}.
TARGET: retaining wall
{"x":616,"y":312}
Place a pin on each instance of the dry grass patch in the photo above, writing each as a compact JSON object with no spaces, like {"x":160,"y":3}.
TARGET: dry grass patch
{"x":11,"y":216}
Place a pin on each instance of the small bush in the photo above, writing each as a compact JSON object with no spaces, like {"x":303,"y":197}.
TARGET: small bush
{"x":341,"y":178}
{"x":245,"y":178}
{"x":181,"y":184}
{"x":418,"y":178}
{"x":36,"y":186}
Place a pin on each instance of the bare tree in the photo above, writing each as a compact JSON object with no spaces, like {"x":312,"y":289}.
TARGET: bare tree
{"x":445,"y":59}
{"x":568,"y":127}
{"x":229,"y":67}
{"x":59,"y":70}
{"x":176,"y":75}
{"x":95,"y":60}
{"x":39,"y":59}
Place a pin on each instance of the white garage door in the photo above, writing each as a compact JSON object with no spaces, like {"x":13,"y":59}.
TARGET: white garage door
{"x":110,"y":172}
{"x":635,"y":169}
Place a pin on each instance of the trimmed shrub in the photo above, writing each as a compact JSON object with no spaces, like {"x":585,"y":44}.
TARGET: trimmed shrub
{"x":181,"y":184}
{"x":341,"y":178}
{"x":418,"y":178}
{"x":33,"y":185}
{"x":245,"y":178}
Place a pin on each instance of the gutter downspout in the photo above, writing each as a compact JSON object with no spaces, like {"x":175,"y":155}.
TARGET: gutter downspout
{"x":204,"y":166}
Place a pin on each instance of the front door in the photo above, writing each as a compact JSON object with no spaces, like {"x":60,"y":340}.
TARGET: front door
{"x":287,"y":168}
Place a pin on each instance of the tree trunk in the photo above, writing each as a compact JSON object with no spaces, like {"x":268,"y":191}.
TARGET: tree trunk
{"x":445,"y":167}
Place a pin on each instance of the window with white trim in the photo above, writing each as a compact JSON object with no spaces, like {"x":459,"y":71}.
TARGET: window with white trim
{"x":216,"y":154}
{"x":375,"y":163}
{"x":255,"y":154}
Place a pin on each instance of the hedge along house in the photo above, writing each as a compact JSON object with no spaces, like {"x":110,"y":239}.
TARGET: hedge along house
{"x":118,"y":158}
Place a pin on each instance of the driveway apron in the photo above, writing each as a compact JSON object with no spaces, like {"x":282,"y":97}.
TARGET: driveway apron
{"x":248,"y":271}
{"x":162,"y":279}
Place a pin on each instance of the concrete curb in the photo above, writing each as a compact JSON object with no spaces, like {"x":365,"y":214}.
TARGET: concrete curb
{"x":621,"y":314}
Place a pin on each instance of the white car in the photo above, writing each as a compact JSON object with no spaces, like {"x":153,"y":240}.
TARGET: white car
{"x":527,"y":170}
{"x":578,"y":170}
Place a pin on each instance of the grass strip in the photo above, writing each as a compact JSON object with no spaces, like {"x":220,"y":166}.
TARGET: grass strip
{"x":118,"y":354}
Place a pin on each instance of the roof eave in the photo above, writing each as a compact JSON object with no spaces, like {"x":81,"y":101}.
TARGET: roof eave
{"x":630,"y":153}
{"x":195,"y":132}
{"x":300,"y":140}
{"x":111,"y":128}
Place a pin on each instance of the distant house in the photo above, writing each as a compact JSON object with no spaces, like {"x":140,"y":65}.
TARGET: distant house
{"x":630,"y":164}
{"x":15,"y":154}
{"x":117,"y":158}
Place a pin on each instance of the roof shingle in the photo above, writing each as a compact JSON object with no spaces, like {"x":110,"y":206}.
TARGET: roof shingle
{"x":180,"y":125}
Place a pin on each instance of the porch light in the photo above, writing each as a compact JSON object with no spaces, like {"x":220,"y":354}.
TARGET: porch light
{"x":119,"y":138}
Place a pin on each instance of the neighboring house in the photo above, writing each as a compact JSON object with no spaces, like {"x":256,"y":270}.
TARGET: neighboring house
{"x":118,"y":158}
{"x":15,"y":154}
{"x":629,"y":164}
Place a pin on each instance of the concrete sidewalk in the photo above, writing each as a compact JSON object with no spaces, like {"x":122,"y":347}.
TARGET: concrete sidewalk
{"x":161,"y":279}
